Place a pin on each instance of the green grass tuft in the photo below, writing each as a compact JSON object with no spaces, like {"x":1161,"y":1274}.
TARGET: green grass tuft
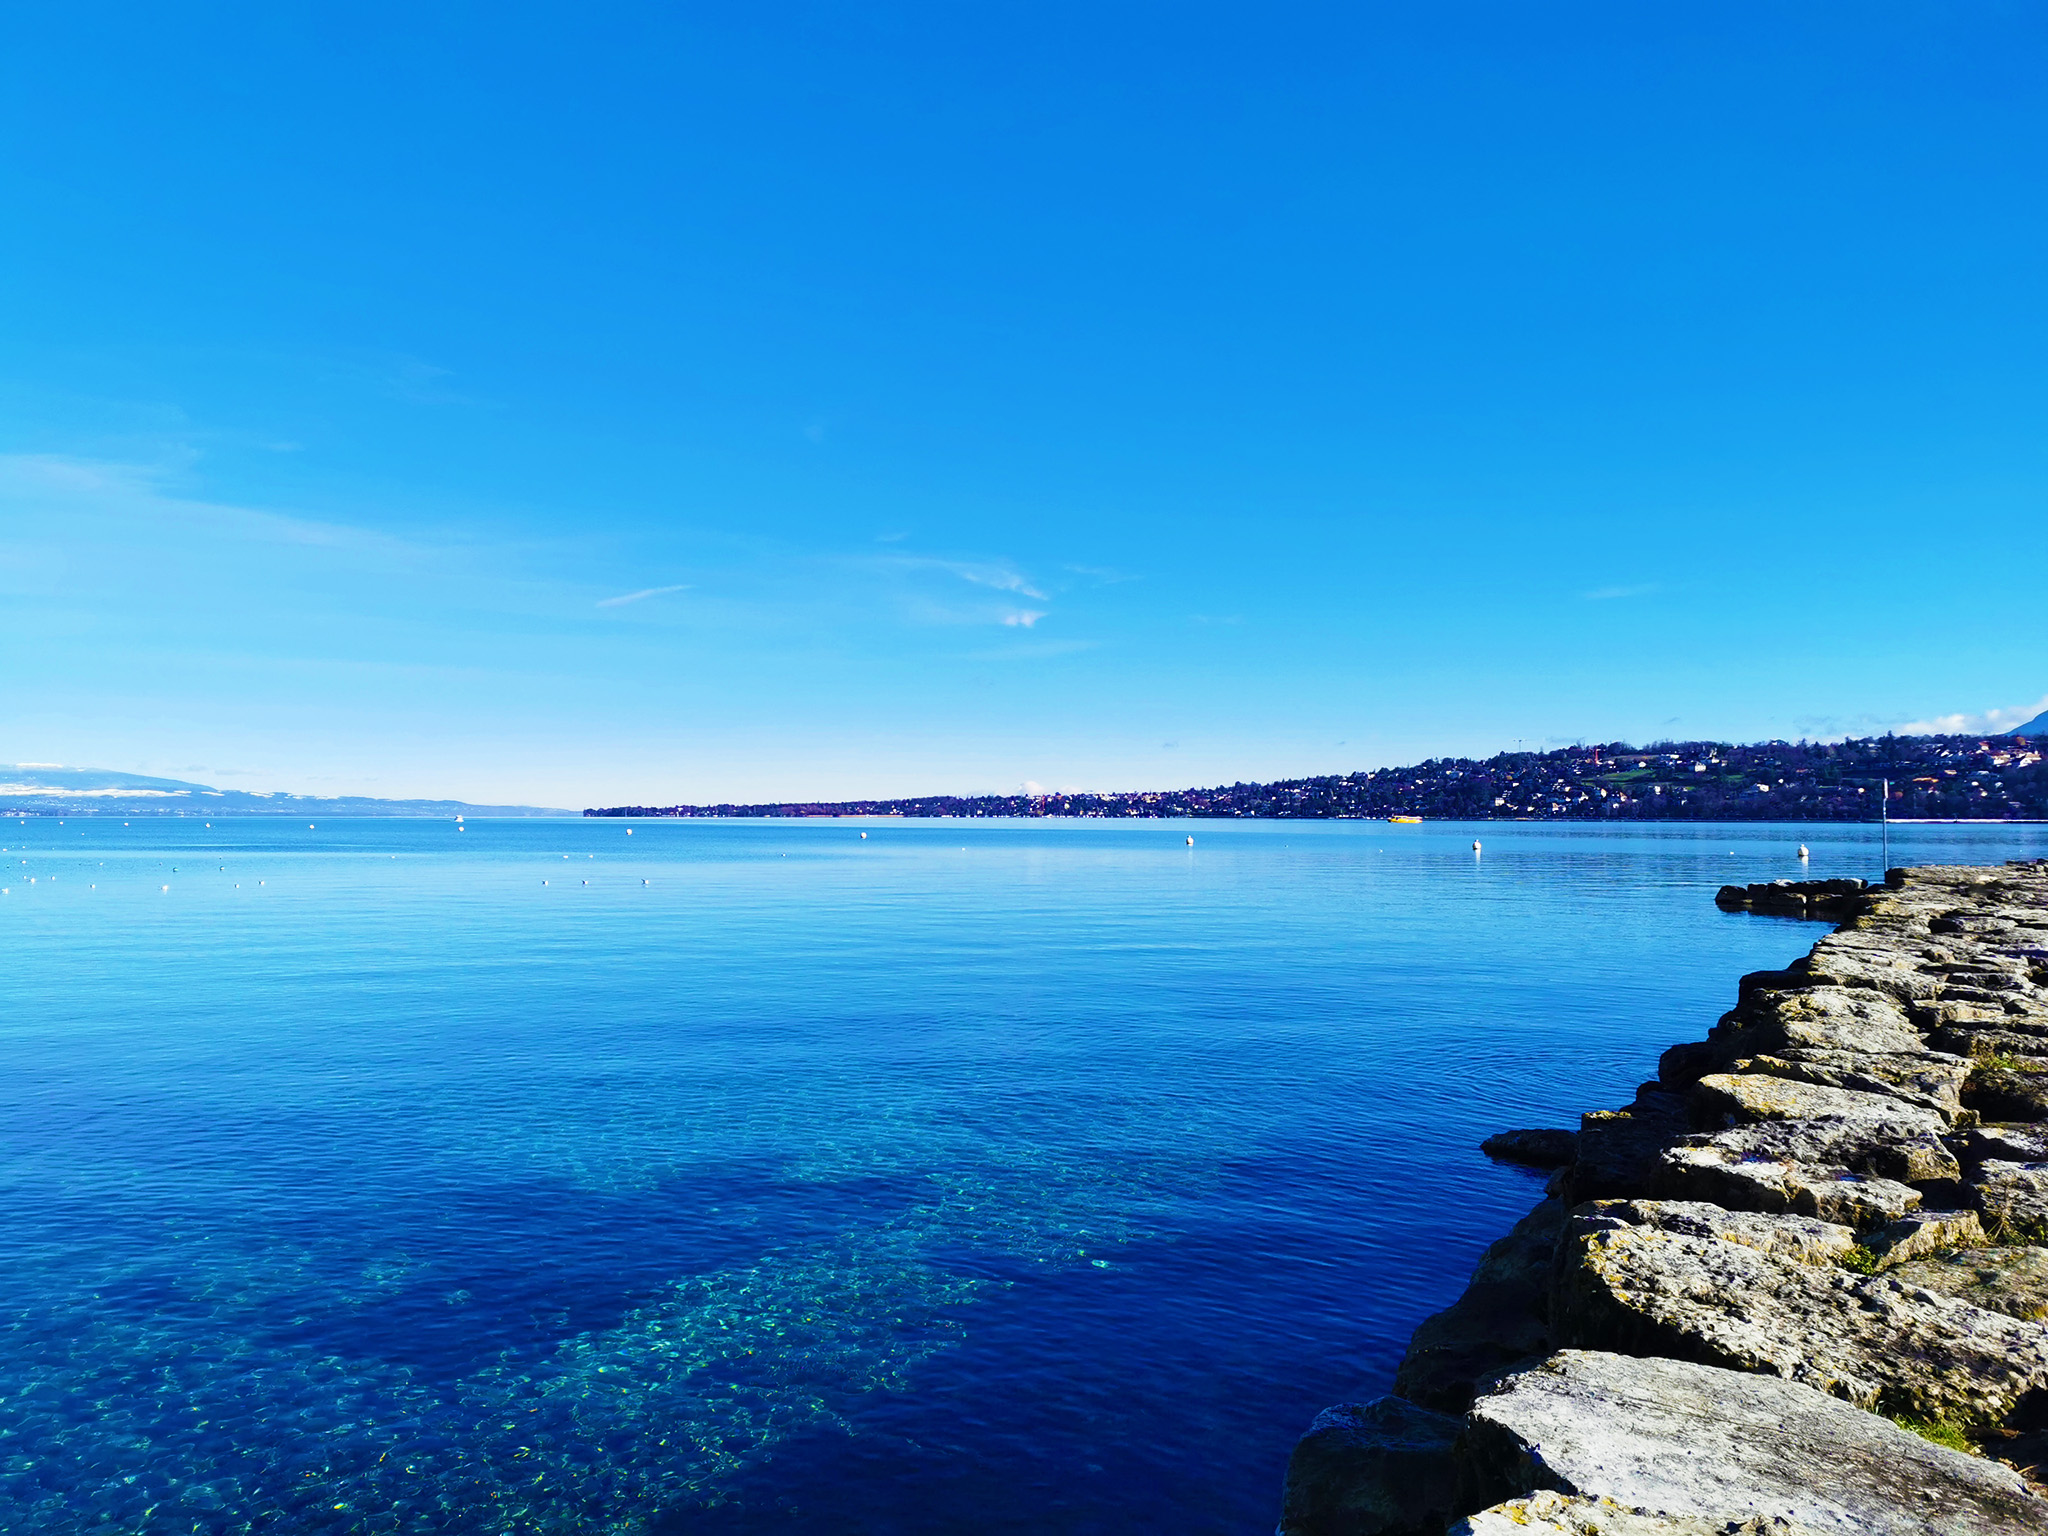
{"x":1860,"y":1259}
{"x":1941,"y":1431}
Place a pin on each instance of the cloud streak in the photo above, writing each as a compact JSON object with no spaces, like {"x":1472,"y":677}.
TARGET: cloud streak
{"x":1989,"y":722}
{"x":992,"y":574}
{"x":1608,"y":594}
{"x":645,"y":592}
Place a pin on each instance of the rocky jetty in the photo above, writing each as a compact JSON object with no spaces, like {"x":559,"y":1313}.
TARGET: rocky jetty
{"x":1798,"y":1285}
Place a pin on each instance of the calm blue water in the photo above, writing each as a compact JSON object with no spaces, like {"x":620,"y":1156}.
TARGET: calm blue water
{"x":1014,"y":1177}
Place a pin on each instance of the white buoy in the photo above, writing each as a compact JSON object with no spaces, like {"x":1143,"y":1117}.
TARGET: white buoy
{"x":629,"y":831}
{"x":1191,"y":839}
{"x":1475,"y":845}
{"x":863,"y":837}
{"x":1803,"y":853}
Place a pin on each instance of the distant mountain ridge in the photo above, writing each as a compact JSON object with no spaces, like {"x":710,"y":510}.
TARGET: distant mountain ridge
{"x":2038,"y":726}
{"x":47,"y":789}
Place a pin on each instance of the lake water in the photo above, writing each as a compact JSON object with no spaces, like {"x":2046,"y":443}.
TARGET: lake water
{"x":744,"y":1176}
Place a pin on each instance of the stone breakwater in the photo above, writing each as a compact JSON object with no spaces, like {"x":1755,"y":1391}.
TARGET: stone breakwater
{"x":1799,"y":1285}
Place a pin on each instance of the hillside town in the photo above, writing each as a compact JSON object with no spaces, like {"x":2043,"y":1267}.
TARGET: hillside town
{"x":1995,"y":778}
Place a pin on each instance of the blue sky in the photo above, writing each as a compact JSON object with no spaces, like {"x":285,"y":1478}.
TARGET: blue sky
{"x":642,"y":402}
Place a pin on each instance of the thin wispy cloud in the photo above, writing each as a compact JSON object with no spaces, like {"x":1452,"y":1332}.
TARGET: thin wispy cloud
{"x":1608,"y":594}
{"x":929,"y":589}
{"x":1031,"y":650}
{"x":418,"y":382}
{"x":1987,"y":722}
{"x":57,"y":484}
{"x":646,"y":592}
{"x":994,"y":574}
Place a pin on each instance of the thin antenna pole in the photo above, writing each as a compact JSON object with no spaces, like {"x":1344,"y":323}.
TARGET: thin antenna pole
{"x":1884,"y":811}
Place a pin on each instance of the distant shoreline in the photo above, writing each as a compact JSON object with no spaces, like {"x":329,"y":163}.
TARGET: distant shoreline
{"x":1928,"y":779}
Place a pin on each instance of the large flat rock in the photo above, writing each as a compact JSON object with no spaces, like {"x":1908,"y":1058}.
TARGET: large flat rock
{"x":1382,"y":1468}
{"x":2008,"y":1093}
{"x":1499,"y":1323}
{"x":1819,"y":1168}
{"x":1558,"y":1514}
{"x":2013,"y":1280}
{"x":1799,"y":1239}
{"x":1674,"y":1438}
{"x":2012,"y":1199}
{"x":1619,"y":1149}
{"x":1926,"y":1079}
{"x":1869,"y":1132}
{"x":1872,"y":1340}
{"x":1851,"y":1018}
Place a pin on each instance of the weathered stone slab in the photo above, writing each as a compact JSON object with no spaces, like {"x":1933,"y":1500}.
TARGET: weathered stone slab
{"x":1821,"y":1018}
{"x":2012,"y":1199}
{"x":1928,"y":1080}
{"x":2009,"y":1280}
{"x":2022,"y":1142}
{"x":1865,"y":1132}
{"x":1796,"y":1239}
{"x":1804,"y":1167}
{"x":1557,"y":1514}
{"x":1620,"y":1149}
{"x":1866,"y":957}
{"x":1920,"y":1233}
{"x":1869,"y":1340}
{"x":1501,"y":1321}
{"x":1990,"y":1042}
{"x":1382,"y":1468}
{"x":1681,"y":1439}
{"x":2001,"y":1094}
{"x":1533,"y":1148}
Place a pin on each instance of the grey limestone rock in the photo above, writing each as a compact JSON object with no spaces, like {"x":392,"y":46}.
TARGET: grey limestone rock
{"x":1870,"y":1340}
{"x":1382,"y":1468}
{"x":1805,"y":1167}
{"x":2005,"y":1143}
{"x":1920,"y":1233}
{"x":1620,"y":1149}
{"x":2002,"y":1094}
{"x":1679,"y":1439}
{"x":2013,"y":1200}
{"x":1869,"y":957}
{"x":1798,"y":1239}
{"x":1501,"y":1321}
{"x":1845,"y":1018}
{"x":1557,"y":1514}
{"x":2010,"y":1280}
{"x":1533,"y":1148}
{"x":1992,"y":1040}
{"x":1867,"y":1131}
{"x":1927,"y":1079}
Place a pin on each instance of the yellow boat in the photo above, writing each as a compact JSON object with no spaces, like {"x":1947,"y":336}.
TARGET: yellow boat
{"x":1412,"y":821}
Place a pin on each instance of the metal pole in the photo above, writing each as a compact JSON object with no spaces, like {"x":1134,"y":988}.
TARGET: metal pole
{"x":1884,"y":811}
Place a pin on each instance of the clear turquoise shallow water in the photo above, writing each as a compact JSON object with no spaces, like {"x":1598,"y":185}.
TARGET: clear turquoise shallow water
{"x":1016,"y":1177}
